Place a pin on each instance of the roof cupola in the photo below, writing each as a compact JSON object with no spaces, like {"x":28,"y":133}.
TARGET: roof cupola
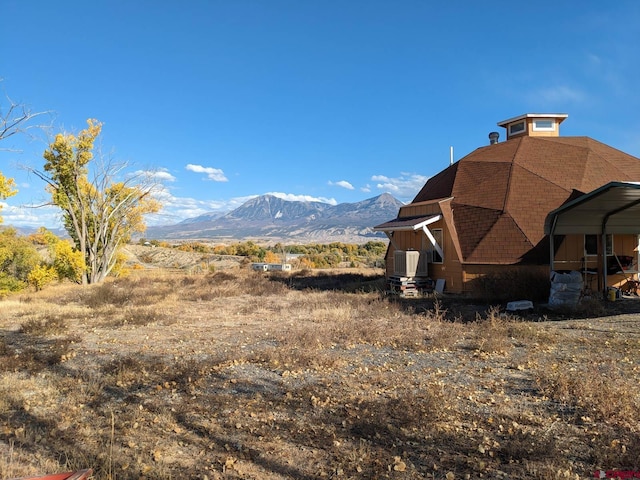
{"x":534,"y":125}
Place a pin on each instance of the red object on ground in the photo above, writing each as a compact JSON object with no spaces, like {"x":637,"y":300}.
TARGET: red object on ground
{"x":79,"y":475}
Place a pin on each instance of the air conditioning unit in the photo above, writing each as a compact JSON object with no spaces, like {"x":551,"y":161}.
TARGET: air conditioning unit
{"x":426,"y":257}
{"x":405,"y":264}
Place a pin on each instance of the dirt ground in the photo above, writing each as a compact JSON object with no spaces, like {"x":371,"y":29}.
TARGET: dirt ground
{"x":243,"y":375}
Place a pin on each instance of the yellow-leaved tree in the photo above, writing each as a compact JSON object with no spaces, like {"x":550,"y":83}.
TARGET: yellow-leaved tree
{"x":270,"y":257}
{"x":100,"y":213}
{"x":65,"y":261}
{"x":7,"y":189}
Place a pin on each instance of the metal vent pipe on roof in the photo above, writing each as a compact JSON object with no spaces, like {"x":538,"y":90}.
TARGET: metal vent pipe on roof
{"x":493,"y":138}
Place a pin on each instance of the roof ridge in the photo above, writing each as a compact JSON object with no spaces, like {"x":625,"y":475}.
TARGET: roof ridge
{"x":511,"y":165}
{"x":593,"y":142}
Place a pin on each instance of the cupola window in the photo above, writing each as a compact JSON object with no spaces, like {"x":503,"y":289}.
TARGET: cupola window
{"x":515,"y":128}
{"x":544,"y":125}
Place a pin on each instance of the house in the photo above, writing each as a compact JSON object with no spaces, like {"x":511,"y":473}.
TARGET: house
{"x":271,"y":267}
{"x":496,"y":209}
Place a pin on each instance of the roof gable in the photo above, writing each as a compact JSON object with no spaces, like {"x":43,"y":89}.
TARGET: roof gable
{"x":438,"y":186}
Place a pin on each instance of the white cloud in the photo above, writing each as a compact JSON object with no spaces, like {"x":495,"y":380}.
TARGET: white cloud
{"x":237,"y":201}
{"x":163,"y":175}
{"x":34,"y":217}
{"x":160,"y":175}
{"x":176,"y":209}
{"x":343,"y":184}
{"x":302,"y":198}
{"x":407,"y":185}
{"x":214,"y":174}
{"x":559,"y":94}
{"x":366,"y":188}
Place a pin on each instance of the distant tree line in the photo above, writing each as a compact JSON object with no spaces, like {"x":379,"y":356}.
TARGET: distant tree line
{"x":313,"y":255}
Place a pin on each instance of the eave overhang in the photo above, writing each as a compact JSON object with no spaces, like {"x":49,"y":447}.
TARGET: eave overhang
{"x":407,"y":223}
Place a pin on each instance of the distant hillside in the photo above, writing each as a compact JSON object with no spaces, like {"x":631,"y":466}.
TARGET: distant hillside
{"x":271,"y":217}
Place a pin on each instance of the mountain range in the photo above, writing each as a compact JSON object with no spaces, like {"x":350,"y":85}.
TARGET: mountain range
{"x":270,"y":217}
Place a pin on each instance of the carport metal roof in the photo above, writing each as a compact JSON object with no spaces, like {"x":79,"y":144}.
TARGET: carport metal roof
{"x":613,"y":208}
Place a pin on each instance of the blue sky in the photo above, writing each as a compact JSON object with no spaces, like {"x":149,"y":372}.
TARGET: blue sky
{"x":335,"y":101}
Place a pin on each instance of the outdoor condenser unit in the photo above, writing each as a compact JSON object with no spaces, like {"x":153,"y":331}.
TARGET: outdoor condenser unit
{"x":426,"y":257}
{"x":405,"y":264}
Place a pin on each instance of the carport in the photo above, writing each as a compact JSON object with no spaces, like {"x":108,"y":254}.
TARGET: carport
{"x":613,"y":208}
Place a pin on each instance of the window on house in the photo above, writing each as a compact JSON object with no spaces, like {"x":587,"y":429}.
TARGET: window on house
{"x":437,"y":234}
{"x":544,"y":125}
{"x":591,"y":244}
{"x":516,"y":128}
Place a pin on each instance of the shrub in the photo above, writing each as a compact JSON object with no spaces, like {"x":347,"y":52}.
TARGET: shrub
{"x":10,"y":284}
{"x":508,"y":285}
{"x":41,"y":275}
{"x":599,"y":390}
{"x":119,"y":268}
{"x":43,"y":237}
{"x":53,"y":324}
{"x":17,"y":255}
{"x":491,"y":334}
{"x":108,"y":293}
{"x":68,"y":262}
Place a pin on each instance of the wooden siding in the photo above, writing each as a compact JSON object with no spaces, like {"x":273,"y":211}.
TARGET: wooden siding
{"x":412,"y":210}
{"x":451,"y":269}
{"x":473,"y":272}
{"x":542,"y":133}
{"x":570,"y":255}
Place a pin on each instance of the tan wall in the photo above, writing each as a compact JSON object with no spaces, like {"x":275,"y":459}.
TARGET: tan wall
{"x":418,"y":209}
{"x":451,"y":269}
{"x":537,"y":133}
{"x":473,"y":272}
{"x":529,"y":131}
{"x":570,"y":255}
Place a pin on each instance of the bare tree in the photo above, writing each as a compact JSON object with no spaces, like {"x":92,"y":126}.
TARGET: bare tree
{"x":18,"y":118}
{"x":14,"y":118}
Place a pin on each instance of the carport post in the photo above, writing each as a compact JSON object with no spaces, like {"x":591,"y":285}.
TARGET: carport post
{"x":552,"y":250}
{"x":552,"y":247}
{"x":604,"y":258}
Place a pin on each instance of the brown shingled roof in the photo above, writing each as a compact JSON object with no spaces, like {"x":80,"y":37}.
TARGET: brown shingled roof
{"x":503,"y":192}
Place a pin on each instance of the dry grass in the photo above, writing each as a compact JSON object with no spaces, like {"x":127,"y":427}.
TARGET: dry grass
{"x":245,"y":375}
